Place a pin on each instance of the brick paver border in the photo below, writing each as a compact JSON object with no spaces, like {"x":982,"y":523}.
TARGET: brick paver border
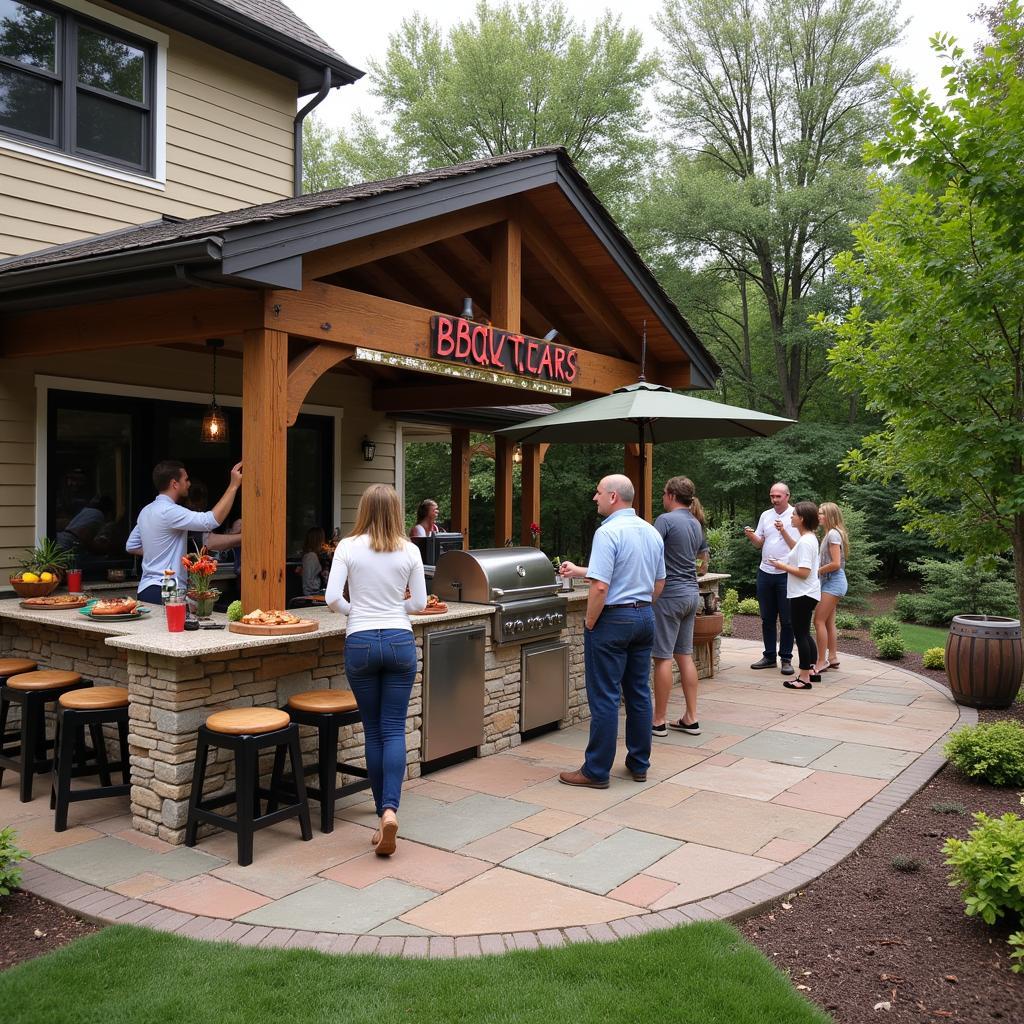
{"x":104,"y":907}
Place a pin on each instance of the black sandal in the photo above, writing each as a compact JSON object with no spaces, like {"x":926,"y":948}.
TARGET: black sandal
{"x":798,"y":685}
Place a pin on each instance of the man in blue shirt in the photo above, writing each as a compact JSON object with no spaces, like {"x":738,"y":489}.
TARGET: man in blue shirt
{"x":626,"y":573}
{"x":161,"y":533}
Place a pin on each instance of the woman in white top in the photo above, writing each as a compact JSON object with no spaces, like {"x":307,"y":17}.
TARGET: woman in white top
{"x":426,"y":519}
{"x":832,"y":573}
{"x":378,"y":563}
{"x":803,"y":590}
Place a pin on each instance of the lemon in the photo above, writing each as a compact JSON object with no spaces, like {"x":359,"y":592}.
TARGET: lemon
{"x":46,"y":577}
{"x":29,"y":577}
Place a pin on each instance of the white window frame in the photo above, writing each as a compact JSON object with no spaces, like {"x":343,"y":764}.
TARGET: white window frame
{"x":46,"y":383}
{"x":160,"y":40}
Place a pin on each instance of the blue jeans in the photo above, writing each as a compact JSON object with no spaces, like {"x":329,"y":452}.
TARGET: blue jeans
{"x":381,"y":665}
{"x":617,"y":656}
{"x":771,"y":596}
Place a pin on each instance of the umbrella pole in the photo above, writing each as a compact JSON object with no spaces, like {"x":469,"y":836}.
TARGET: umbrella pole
{"x":644,"y":469}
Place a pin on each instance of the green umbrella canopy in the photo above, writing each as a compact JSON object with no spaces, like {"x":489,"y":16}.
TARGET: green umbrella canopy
{"x":647,"y":413}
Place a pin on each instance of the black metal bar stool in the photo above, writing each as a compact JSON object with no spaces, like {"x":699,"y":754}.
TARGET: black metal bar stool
{"x":92,"y":707}
{"x":327,"y":711}
{"x":32,"y":691}
{"x":12,"y":667}
{"x":247,"y":731}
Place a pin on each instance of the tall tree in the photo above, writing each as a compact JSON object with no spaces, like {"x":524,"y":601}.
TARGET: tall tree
{"x":770,"y":104}
{"x":512,"y":77}
{"x":942,"y":361}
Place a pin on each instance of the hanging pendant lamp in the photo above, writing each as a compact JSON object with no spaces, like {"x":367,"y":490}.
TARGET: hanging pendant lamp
{"x":215,"y":424}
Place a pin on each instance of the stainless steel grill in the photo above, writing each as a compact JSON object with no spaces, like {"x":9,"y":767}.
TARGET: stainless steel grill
{"x":518,"y":582}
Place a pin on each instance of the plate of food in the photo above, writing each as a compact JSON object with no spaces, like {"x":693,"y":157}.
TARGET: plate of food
{"x":272,"y":623}
{"x":114,"y":608}
{"x":435,"y":606}
{"x":56,"y":602}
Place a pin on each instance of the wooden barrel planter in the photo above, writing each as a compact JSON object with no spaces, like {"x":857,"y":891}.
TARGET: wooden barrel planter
{"x":984,"y":660}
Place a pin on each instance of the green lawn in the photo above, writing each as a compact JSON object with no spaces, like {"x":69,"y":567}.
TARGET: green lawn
{"x":920,"y":638}
{"x":704,"y":973}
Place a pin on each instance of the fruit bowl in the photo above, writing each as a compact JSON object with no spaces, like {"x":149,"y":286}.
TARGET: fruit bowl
{"x":23,"y":589}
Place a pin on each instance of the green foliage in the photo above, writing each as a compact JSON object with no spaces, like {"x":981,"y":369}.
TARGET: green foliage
{"x":908,"y":865}
{"x":848,"y":621}
{"x":891,"y":647}
{"x":10,"y":855}
{"x":884,"y":625}
{"x":989,"y":867}
{"x":934,"y":657}
{"x":731,"y":602}
{"x":993,"y":752}
{"x":234,"y":611}
{"x":862,"y":562}
{"x":513,"y":76}
{"x":949,"y":807}
{"x":749,"y":606}
{"x":46,"y":556}
{"x":981,"y":587}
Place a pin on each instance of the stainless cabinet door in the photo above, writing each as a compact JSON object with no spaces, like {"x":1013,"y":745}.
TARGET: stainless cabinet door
{"x":545,"y":690}
{"x":453,"y":691}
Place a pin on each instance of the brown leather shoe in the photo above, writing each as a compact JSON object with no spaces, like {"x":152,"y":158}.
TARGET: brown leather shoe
{"x":579,"y":779}
{"x":639,"y":776}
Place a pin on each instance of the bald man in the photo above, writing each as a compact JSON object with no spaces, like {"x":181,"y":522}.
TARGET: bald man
{"x":626,"y":574}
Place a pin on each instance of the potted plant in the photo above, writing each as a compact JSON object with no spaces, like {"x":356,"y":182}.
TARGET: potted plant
{"x":41,"y":570}
{"x":200,"y":567}
{"x":709,"y":621}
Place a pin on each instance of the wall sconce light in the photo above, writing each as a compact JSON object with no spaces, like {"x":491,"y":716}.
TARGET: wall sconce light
{"x":215,"y":425}
{"x":369,"y":449}
{"x":467,"y":308}
{"x":517,"y":455}
{"x":551,"y":335}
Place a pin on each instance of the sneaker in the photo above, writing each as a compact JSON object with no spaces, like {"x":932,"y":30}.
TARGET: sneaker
{"x":764,"y":663}
{"x":693,"y":729}
{"x":659,"y":730}
{"x":787,"y":668}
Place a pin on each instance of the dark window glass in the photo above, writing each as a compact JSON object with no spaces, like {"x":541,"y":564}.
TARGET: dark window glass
{"x":26,"y":104}
{"x":111,"y":64}
{"x":28,"y":35}
{"x":111,"y":129}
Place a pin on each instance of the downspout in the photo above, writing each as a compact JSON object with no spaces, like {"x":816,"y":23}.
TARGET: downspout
{"x":325,"y":88}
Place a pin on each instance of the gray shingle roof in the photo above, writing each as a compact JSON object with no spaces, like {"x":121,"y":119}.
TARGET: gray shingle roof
{"x":280,"y":18}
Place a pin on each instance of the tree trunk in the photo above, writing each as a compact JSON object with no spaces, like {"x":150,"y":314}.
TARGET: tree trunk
{"x":1018,"y":562}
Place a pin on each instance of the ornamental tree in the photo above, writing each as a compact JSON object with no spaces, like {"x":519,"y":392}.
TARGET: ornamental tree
{"x":936,"y":346}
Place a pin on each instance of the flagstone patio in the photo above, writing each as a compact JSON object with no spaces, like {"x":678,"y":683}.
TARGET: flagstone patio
{"x":497,"y":854}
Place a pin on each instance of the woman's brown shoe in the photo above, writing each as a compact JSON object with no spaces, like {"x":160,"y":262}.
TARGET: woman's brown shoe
{"x":385,"y":846}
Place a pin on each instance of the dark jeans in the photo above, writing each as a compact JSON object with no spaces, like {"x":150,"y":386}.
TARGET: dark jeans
{"x":380,"y":665}
{"x":617,"y":656}
{"x":151,"y":594}
{"x":771,"y":596}
{"x":801,"y":610}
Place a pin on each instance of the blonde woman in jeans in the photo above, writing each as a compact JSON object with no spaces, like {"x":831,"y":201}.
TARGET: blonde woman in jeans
{"x":379,"y":563}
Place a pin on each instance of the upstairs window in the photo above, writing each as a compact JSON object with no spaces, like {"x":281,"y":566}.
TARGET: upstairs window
{"x":75,"y":85}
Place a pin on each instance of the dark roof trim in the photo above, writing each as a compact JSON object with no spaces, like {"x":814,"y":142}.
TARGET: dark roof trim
{"x":231,"y":30}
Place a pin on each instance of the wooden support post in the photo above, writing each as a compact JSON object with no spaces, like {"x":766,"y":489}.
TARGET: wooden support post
{"x":530,"y":501}
{"x":640,"y":474}
{"x":265,"y":469}
{"x":506,"y":276}
{"x":503,"y":449}
{"x":460,"y":483}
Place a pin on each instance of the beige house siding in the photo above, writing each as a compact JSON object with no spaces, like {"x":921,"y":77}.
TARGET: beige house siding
{"x":228,"y":144}
{"x":170,"y":370}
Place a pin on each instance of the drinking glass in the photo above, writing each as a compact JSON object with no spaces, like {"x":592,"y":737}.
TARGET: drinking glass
{"x":174,"y":608}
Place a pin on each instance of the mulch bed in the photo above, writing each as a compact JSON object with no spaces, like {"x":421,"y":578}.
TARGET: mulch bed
{"x":30,"y":927}
{"x":866,"y":933}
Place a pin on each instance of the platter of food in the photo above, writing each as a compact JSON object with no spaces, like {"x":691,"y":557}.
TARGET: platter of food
{"x":272,"y":623}
{"x":435,"y":606}
{"x":56,"y":602}
{"x":115,"y":608}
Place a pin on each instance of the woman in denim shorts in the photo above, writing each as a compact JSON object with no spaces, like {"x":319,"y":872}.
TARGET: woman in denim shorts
{"x":832,"y":573}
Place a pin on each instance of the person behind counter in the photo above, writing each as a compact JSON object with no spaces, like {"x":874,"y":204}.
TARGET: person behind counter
{"x":426,"y":519}
{"x":312,"y":568}
{"x":379,"y":563}
{"x":161,"y":533}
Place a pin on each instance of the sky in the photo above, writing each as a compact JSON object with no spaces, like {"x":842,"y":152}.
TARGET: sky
{"x":360,"y":33}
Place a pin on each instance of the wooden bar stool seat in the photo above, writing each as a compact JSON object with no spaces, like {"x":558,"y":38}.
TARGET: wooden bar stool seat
{"x":15,"y":667}
{"x":27,"y":751}
{"x":245,"y":732}
{"x":327,"y":711}
{"x":77,"y":710}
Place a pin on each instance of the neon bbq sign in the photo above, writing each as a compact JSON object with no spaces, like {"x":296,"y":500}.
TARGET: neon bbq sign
{"x":457,"y":340}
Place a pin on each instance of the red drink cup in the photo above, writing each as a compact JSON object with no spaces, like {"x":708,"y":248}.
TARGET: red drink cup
{"x":175,"y":616}
{"x":74,"y":581}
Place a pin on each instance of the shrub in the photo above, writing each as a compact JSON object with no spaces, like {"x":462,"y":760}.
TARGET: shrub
{"x":907,"y":864}
{"x":956,"y":588}
{"x":10,"y":873}
{"x":749,"y":606}
{"x":847,"y":620}
{"x":989,"y":866}
{"x":863,"y":563}
{"x":949,"y":807}
{"x":730,"y":602}
{"x":884,"y":625}
{"x":905,"y":607}
{"x":934,"y":657}
{"x":890,"y":647}
{"x":992,"y":752}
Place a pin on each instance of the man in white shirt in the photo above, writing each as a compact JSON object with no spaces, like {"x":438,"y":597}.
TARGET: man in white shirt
{"x":770,"y":536}
{"x":161,"y":533}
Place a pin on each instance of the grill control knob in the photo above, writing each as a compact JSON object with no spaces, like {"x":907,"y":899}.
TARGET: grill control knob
{"x":517,"y":625}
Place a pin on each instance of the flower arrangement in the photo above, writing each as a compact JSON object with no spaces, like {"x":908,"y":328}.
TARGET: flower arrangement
{"x":200,"y":567}
{"x":535,"y":534}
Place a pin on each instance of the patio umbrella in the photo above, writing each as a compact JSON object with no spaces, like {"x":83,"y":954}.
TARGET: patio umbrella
{"x":645,"y":413}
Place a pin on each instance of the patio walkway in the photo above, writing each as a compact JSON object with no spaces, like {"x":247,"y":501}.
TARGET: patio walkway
{"x":497,"y":854}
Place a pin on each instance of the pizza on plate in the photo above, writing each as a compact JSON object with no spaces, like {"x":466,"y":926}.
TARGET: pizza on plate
{"x":258,"y":617}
